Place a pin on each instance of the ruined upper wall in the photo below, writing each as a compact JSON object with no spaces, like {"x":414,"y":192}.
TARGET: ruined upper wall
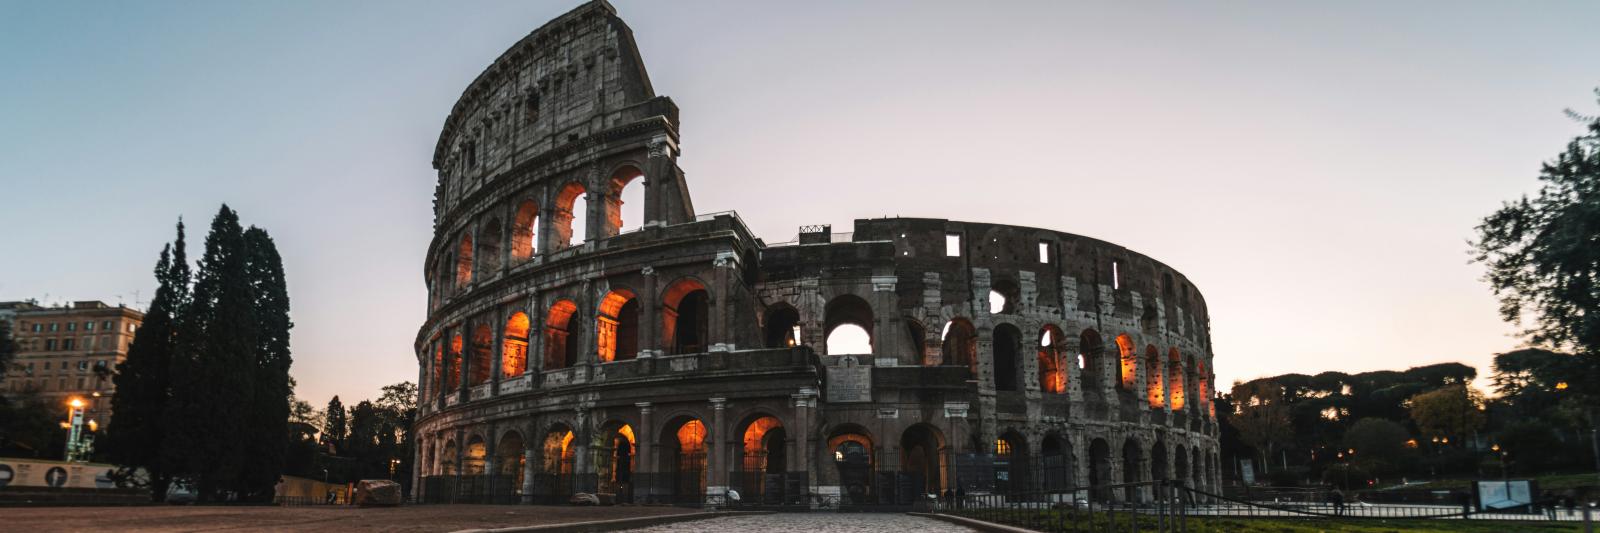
{"x":575,"y":76}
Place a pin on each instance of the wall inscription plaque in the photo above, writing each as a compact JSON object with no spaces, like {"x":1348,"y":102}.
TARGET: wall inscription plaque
{"x":849,"y":382}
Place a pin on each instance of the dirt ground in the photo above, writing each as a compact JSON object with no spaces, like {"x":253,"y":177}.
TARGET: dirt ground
{"x":415,"y":518}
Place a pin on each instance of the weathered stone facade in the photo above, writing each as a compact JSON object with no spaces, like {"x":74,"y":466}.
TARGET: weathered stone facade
{"x":672,"y":362}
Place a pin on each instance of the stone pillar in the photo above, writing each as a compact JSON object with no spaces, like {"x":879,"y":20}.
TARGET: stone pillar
{"x":716,"y":448}
{"x":658,"y":173}
{"x":649,"y":314}
{"x":528,"y":460}
{"x":497,"y":351}
{"x":583,"y":464}
{"x":721,"y":315}
{"x":644,"y":454}
{"x":464,"y":370}
{"x":804,"y":401}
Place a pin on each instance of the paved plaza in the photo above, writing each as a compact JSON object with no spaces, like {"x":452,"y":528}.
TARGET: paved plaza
{"x":823,"y":522}
{"x":415,"y":518}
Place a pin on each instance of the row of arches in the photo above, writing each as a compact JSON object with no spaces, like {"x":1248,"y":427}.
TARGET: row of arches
{"x":482,"y":250}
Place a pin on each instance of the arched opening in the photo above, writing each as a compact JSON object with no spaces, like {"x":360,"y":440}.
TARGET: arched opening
{"x":1003,"y":296}
{"x":560,"y":349}
{"x":1057,"y":465}
{"x":683,"y":459}
{"x":921,"y":458}
{"x":1180,"y":464}
{"x":557,"y":461}
{"x":852,"y":458}
{"x":625,"y":204}
{"x":448,"y":458}
{"x":476,"y":457}
{"x":1091,"y":354}
{"x":514,"y":356}
{"x":960,"y":341}
{"x":848,"y":325}
{"x":482,"y":347}
{"x":488,"y":253}
{"x":523,"y":230}
{"x":763,"y":460}
{"x":685,"y":316}
{"x":617,"y":326}
{"x":1007,"y":342}
{"x":614,"y":453}
{"x":916,"y":340}
{"x":1099,"y":469}
{"x":782,"y":327}
{"x":1202,"y":393}
{"x":508,"y":461}
{"x":1175,"y":378}
{"x":1052,"y":370}
{"x":1197,"y":461}
{"x":439,"y":372}
{"x":1128,"y":355}
{"x":570,"y":226}
{"x":464,"y":262}
{"x":1012,"y":474}
{"x":1132,"y":459}
{"x":1154,"y":381}
{"x":1158,"y":461}
{"x":453,"y":368}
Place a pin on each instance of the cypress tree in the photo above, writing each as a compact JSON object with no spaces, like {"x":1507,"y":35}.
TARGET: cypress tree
{"x":268,"y":416}
{"x":213,"y":369}
{"x":134,"y":437}
{"x":333,"y":427}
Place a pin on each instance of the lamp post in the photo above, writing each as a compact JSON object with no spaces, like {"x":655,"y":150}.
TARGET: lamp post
{"x":79,"y":445}
{"x":952,"y":411}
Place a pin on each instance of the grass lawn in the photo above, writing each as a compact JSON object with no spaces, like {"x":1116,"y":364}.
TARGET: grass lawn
{"x":1550,"y":482}
{"x":1269,"y":525}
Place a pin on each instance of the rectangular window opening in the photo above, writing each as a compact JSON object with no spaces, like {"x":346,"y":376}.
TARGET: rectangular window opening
{"x":1116,"y":276}
{"x":1044,"y":252}
{"x":952,"y":245}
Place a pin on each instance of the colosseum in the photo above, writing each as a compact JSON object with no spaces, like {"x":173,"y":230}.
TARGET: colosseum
{"x":676,"y":356}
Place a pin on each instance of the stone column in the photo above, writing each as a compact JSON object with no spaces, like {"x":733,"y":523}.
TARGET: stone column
{"x":800,"y":457}
{"x":644,"y":454}
{"x":649,"y":314}
{"x":528,"y":460}
{"x":717,"y":482}
{"x":720,"y":314}
{"x":658,"y":172}
{"x":497,"y":351}
{"x":583,"y":464}
{"x":464,"y":370}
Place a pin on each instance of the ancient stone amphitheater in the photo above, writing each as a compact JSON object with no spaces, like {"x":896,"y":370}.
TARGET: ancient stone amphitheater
{"x":648,"y":353}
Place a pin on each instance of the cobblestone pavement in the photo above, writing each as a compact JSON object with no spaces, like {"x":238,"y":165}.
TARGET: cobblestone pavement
{"x":321,"y":518}
{"x":802,"y":522}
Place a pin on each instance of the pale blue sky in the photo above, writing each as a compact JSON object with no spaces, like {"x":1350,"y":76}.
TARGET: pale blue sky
{"x":1315,"y":168}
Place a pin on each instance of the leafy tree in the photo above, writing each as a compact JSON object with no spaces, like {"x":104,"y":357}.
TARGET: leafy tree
{"x":1543,"y":253}
{"x":136,"y":434}
{"x":333,"y":428}
{"x":213,"y":377}
{"x":29,"y":427}
{"x":269,"y":409}
{"x":1261,"y":414}
{"x":1452,"y":411}
{"x":1379,"y":444}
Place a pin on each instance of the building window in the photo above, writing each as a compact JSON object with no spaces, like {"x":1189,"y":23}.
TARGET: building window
{"x":952,"y":245}
{"x":88,"y":326}
{"x":1116,"y":276}
{"x":49,"y":345}
{"x":55,"y":327}
{"x":66,"y":344}
{"x":130,"y":328}
{"x":83,"y":366}
{"x":38,"y":327}
{"x":106,"y":325}
{"x":72,"y":326}
{"x":1044,"y":252}
{"x":100,"y":365}
{"x":47,"y":365}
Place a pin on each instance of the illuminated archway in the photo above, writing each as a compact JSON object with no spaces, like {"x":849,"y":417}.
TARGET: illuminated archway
{"x":853,"y":458}
{"x":1057,"y":462}
{"x":464,"y":261}
{"x":1176,"y":378}
{"x":763,"y":456}
{"x":488,"y":254}
{"x":482,"y":346}
{"x":685,"y":316}
{"x":570,"y":226}
{"x":509,"y":459}
{"x":625,"y":203}
{"x":683,"y":459}
{"x":514,"y":357}
{"x":453,"y":368}
{"x":960,"y":341}
{"x":560,"y":349}
{"x":614,"y":454}
{"x":847,"y":325}
{"x":558,"y":455}
{"x":1052,"y":371}
{"x":782,"y":327}
{"x":1011,"y":454}
{"x":476,"y":457}
{"x":1091,"y":354}
{"x":524,"y":230}
{"x":1155,"y":382}
{"x":1128,"y":357}
{"x":448,"y":459}
{"x":617,"y":326}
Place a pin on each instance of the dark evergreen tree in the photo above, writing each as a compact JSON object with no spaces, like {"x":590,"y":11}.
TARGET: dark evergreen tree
{"x":8,"y":348}
{"x":134,"y":437}
{"x":333,"y":426}
{"x":213,"y":369}
{"x":268,"y":416}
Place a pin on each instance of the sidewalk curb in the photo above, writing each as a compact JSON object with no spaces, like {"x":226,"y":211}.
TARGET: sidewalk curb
{"x":989,"y":527}
{"x":615,"y":524}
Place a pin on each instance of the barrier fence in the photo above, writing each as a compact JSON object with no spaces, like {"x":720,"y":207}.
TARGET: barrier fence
{"x":1164,"y":506}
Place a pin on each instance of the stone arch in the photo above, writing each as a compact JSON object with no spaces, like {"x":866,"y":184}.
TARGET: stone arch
{"x":616,"y":451}
{"x":960,"y":341}
{"x":524,"y":230}
{"x":1180,"y":464}
{"x":1158,"y":461}
{"x":1202,"y":392}
{"x":478,"y":367}
{"x":1007,"y":344}
{"x":1197,"y":462}
{"x":924,"y":456}
{"x":514,"y":353}
{"x":844,"y":311}
{"x":762,"y":452}
{"x":916,"y":339}
{"x":1128,"y":357}
{"x":1012,"y":455}
{"x":686,"y":316}
{"x":509,"y":459}
{"x":617,"y":326}
{"x":1052,"y":370}
{"x":475,"y":456}
{"x":464,"y":261}
{"x":560,"y":348}
{"x":1155,"y":382}
{"x":452,"y":380}
{"x":1091,"y":356}
{"x":1099,"y":469}
{"x":1056,"y":461}
{"x":782,"y":326}
{"x":569,"y":227}
{"x":623,"y":215}
{"x":1004,"y":297}
{"x":851,"y":448}
{"x":558,"y":456}
{"x":682,"y":458}
{"x":1176,"y":379}
{"x":1132,"y":465}
{"x":439,"y":369}
{"x":488,"y":253}
{"x":448,"y":458}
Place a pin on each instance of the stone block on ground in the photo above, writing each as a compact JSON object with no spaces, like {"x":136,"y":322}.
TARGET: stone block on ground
{"x":377,"y":492}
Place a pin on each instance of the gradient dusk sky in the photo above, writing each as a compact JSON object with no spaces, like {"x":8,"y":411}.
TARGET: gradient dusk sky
{"x":1315,"y":168}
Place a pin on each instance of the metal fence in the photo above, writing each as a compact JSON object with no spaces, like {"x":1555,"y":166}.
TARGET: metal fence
{"x":1170,"y":506}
